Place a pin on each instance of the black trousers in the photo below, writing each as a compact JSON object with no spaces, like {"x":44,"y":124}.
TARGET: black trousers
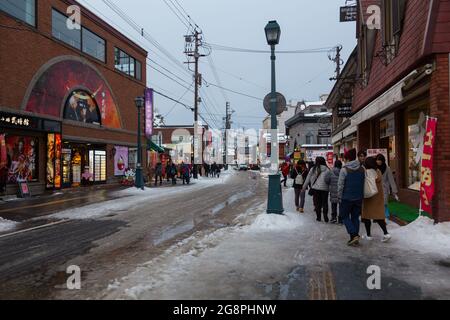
{"x":368,"y":225}
{"x":156,"y":180}
{"x":321,"y":205}
{"x":334,"y":211}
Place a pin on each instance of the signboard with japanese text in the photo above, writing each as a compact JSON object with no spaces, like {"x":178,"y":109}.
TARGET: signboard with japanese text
{"x":18,"y":121}
{"x":375,"y":152}
{"x":427,"y":180}
{"x":345,"y":110}
{"x":148,"y":112}
{"x":348,"y":13}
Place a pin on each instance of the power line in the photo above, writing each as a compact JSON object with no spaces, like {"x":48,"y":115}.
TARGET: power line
{"x":244,"y":50}
{"x":182,"y":96}
{"x":233,"y":91}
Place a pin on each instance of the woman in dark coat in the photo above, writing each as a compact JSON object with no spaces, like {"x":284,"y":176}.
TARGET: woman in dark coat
{"x":301,"y":172}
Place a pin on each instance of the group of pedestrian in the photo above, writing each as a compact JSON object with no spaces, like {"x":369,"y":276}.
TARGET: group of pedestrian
{"x":360,"y":189}
{"x":173,"y":172}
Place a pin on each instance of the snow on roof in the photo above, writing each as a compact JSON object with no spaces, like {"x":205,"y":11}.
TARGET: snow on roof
{"x":319,"y":114}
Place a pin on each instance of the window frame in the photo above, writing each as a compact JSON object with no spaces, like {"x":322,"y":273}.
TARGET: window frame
{"x":131,"y":59}
{"x":35,"y":25}
{"x":95,"y":34}
{"x":54,"y":37}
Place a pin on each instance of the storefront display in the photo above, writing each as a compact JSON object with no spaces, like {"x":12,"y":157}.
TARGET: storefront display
{"x":97,"y":165}
{"x":76,"y":169}
{"x":416,"y":126}
{"x":21,"y":158}
{"x":66,"y":164}
{"x":132,"y":158}
{"x":54,"y":161}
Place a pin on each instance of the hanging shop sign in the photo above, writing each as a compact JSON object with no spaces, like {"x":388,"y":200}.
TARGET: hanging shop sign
{"x":348,"y":13}
{"x":120,"y":160}
{"x":325,"y":133}
{"x":427,"y":180}
{"x":17,"y":121}
{"x":148,"y":112}
{"x":345,"y":110}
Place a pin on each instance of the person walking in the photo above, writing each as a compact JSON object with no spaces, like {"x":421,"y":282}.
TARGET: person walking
{"x":168,"y":174}
{"x":362,"y":156}
{"x":158,"y":173}
{"x":351,"y":195}
{"x":389,"y":185}
{"x":319,"y":188}
{"x":373,"y":207}
{"x":299,"y":174}
{"x":332,"y":181}
{"x":285,"y":172}
{"x":185,"y":173}
{"x":173,"y":173}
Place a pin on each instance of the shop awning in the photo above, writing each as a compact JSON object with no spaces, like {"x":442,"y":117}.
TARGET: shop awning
{"x":153,"y":146}
{"x":382,"y":103}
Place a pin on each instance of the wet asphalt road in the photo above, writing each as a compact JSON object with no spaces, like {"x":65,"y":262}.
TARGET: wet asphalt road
{"x":33,"y":263}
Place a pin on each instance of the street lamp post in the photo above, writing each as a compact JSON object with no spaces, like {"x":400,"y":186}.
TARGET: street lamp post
{"x":275,"y":198}
{"x":139,"y":181}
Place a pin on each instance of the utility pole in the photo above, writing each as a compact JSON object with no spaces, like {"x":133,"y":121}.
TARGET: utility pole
{"x":227,"y":127}
{"x":337,"y":60}
{"x":196,"y":40}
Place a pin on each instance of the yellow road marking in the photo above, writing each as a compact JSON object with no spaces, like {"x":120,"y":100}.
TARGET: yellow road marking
{"x":43,"y":204}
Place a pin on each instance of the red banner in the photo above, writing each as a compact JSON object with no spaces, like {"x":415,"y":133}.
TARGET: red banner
{"x":427,"y":179}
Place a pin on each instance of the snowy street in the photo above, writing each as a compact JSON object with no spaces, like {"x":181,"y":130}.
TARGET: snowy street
{"x":213,"y":240}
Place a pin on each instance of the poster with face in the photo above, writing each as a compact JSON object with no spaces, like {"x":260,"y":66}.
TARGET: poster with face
{"x":21,"y":157}
{"x":120,"y":160}
{"x":62,"y":80}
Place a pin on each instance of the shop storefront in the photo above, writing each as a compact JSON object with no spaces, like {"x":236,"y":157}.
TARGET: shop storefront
{"x":25,"y":144}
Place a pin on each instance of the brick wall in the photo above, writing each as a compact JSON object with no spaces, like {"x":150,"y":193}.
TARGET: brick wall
{"x":439,"y":107}
{"x":23,"y":52}
{"x":410,"y":53}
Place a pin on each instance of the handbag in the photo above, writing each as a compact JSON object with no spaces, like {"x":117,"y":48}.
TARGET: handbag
{"x":312,"y":191}
{"x":370,"y":184}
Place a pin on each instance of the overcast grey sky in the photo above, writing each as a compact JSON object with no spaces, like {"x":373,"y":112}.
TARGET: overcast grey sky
{"x":305,"y":24}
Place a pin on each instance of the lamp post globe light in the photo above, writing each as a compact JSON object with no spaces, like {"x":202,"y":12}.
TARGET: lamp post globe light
{"x":139,"y":181}
{"x":275,"y":198}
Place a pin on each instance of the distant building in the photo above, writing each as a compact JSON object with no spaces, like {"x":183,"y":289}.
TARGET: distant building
{"x":309,"y":130}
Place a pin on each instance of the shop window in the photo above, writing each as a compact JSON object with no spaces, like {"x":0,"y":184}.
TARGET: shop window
{"x":82,"y":107}
{"x":127,"y":64}
{"x":93,"y":45}
{"x":21,"y":158}
{"x":309,"y":138}
{"x":97,"y":165}
{"x":61,"y":32}
{"x":416,"y":128}
{"x":24,"y":10}
{"x":392,"y":21}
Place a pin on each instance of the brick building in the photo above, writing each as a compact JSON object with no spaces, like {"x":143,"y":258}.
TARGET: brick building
{"x":67,"y":107}
{"x":402,"y":76}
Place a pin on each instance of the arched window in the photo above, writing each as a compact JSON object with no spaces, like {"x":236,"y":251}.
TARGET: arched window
{"x":81,"y":106}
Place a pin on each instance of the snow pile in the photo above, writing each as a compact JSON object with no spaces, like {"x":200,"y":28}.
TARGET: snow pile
{"x":424,"y":235}
{"x":275,"y":222}
{"x":7,"y":225}
{"x":133,"y":197}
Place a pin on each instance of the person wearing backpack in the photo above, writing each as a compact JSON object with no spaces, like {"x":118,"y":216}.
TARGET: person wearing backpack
{"x":351,"y":195}
{"x":173,"y":173}
{"x":373,"y":204}
{"x":332,"y":181}
{"x":299,"y":173}
{"x":319,"y":187}
{"x":158,"y":173}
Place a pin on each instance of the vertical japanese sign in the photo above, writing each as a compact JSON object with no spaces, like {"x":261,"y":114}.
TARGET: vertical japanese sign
{"x":427,"y":179}
{"x":3,"y":156}
{"x":148,"y":112}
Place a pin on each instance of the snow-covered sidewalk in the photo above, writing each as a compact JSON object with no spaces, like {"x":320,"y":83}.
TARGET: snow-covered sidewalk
{"x":255,"y":261}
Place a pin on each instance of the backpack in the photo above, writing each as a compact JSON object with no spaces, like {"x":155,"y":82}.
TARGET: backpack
{"x":370,"y":184}
{"x":299,"y":179}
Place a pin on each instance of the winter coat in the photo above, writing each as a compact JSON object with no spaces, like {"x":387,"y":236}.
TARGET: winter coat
{"x":351,"y":182}
{"x":318,"y":182}
{"x":332,"y":180}
{"x":158,"y":170}
{"x":373,"y":208}
{"x":389,"y":185}
{"x":285,"y":169}
{"x":294,"y":175}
